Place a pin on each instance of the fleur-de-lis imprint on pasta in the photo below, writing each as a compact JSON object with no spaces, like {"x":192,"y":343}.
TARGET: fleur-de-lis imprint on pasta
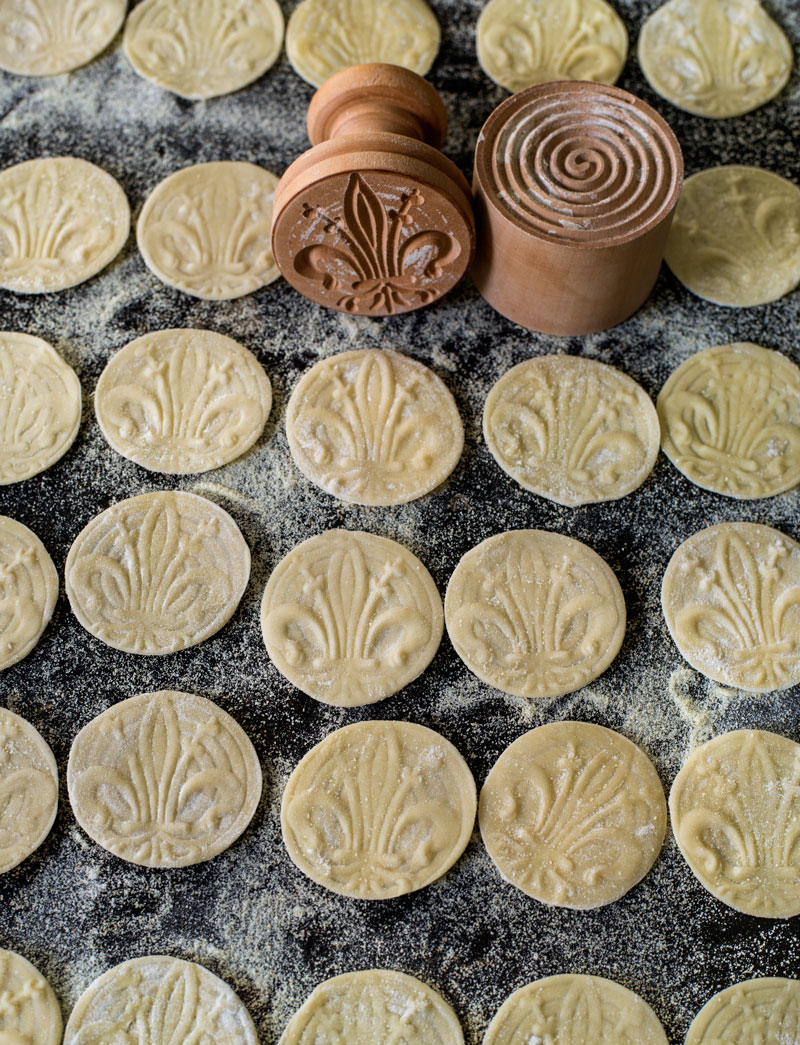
{"x":372,"y":821}
{"x":369,"y":258}
{"x":747,"y":839}
{"x":70,"y":29}
{"x":26,"y":804}
{"x":747,"y":608}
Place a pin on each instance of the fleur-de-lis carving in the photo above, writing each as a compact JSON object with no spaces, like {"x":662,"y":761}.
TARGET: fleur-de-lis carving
{"x":45,"y":37}
{"x":764,"y":1011}
{"x":735,"y":808}
{"x":164,"y":779}
{"x":378,"y":809}
{"x":377,"y":267}
{"x":28,"y":590}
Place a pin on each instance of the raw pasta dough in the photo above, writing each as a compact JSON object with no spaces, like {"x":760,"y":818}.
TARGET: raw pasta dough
{"x":28,"y":590}
{"x":764,"y":1011}
{"x":215,"y":47}
{"x":47,"y":37}
{"x":714,"y":57}
{"x":29,"y":790}
{"x":524,"y":42}
{"x":29,"y":1012}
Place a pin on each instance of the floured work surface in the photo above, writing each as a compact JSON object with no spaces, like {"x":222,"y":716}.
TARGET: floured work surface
{"x":249,"y":915}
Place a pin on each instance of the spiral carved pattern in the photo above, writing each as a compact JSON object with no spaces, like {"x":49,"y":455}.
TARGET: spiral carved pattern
{"x":580,"y":162}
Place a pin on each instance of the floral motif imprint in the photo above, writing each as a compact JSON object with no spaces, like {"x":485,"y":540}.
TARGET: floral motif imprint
{"x":61,"y":221}
{"x":206,"y":230}
{"x":570,"y":429}
{"x":731,"y":598}
{"x":47,"y":37}
{"x":376,"y":1005}
{"x":158,"y":1000}
{"x":28,"y":792}
{"x":575,"y":1010}
{"x":714,"y":57}
{"x":40,"y":406}
{"x":373,"y":427}
{"x":731,"y":420}
{"x":351,"y":618}
{"x":164,"y":779}
{"x":759,"y":1012}
{"x":157,"y":573}
{"x":573,"y":814}
{"x":28,"y":590}
{"x":29,"y":1014}
{"x":378,"y":809}
{"x":735,"y":239}
{"x":735,"y":807}
{"x":183,"y":401}
{"x":535,"y":614}
{"x":379,"y":259}
{"x":525,"y":43}
{"x":212,"y":48}
{"x":323,"y":38}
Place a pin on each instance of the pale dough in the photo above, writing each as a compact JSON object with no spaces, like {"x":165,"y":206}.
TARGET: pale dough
{"x":535,"y":614}
{"x":735,"y":238}
{"x":350,"y":617}
{"x":62,"y":220}
{"x":164,"y":779}
{"x":378,"y":809}
{"x":172,"y":1000}
{"x":374,"y":427}
{"x":40,"y":406}
{"x":215,"y":47}
{"x":29,"y":1013}
{"x":371,"y":1006}
{"x":731,"y":600}
{"x":48,"y":37}
{"x":324,"y":36}
{"x":28,"y":590}
{"x":735,"y":807}
{"x":730,"y":417}
{"x":575,"y":1010}
{"x":714,"y":57}
{"x":571,"y":429}
{"x":206,"y":230}
{"x":763,"y":1011}
{"x":573,"y":814}
{"x":157,"y":573}
{"x":524,"y":42}
{"x":28,"y":794}
{"x":183,"y":401}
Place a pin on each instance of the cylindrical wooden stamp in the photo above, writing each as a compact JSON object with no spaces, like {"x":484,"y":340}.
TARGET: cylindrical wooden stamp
{"x":374,"y":220}
{"x":575,"y":186}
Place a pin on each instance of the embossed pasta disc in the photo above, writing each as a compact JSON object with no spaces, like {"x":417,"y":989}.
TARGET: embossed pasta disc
{"x":766,"y":1011}
{"x":575,"y":163}
{"x":523,"y":42}
{"x":324,"y":36}
{"x":735,"y":238}
{"x":30,"y":1012}
{"x":714,"y":57}
{"x":351,"y":618}
{"x":731,"y":599}
{"x":222,"y":46}
{"x":62,"y":220}
{"x":40,"y":406}
{"x":205,"y":230}
{"x":735,"y":807}
{"x":54,"y":36}
{"x":373,"y":427}
{"x":172,"y":1000}
{"x":378,"y":809}
{"x":28,"y":590}
{"x":573,"y":814}
{"x":183,"y":401}
{"x":572,"y":430}
{"x":575,"y":1010}
{"x":376,"y":1005}
{"x":535,"y":614}
{"x":157,"y":573}
{"x":28,"y":797}
{"x":164,"y":779}
{"x":730,"y":417}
